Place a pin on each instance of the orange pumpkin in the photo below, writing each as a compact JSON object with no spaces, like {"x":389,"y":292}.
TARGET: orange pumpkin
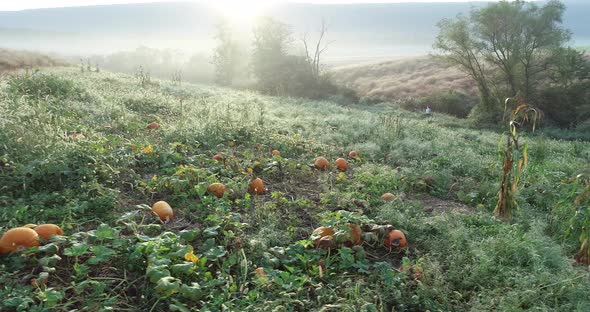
{"x":216,"y":189}
{"x":260,"y":272}
{"x":321,"y":163}
{"x":326,"y":242}
{"x":256,"y":187}
{"x":387,"y":197}
{"x":153,"y":126}
{"x":217,"y":157}
{"x":163,"y":210}
{"x":18,"y":238}
{"x":352,"y":154}
{"x":46,"y":231}
{"x":341,"y":164}
{"x":276,"y":153}
{"x":356,"y":234}
{"x":321,"y":232}
{"x":395,"y":239}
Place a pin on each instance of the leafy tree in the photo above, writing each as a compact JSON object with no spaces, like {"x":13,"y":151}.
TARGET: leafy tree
{"x":272,"y":40}
{"x":226,"y":54}
{"x":505,"y":47}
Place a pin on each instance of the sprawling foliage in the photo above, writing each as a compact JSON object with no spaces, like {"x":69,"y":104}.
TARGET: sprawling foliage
{"x":245,"y":252}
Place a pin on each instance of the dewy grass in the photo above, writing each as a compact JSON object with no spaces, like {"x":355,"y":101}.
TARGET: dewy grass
{"x":117,"y":255}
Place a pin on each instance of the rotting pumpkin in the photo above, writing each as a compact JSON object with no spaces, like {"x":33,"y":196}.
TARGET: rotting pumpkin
{"x":321,"y":232}
{"x":352,"y":154}
{"x":217,"y":189}
{"x":357,"y":234}
{"x":163,"y":210}
{"x":395,"y":239}
{"x":18,"y":238}
{"x":324,"y":236}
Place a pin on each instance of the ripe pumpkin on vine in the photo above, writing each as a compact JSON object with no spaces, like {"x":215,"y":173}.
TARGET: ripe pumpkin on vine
{"x":256,"y":187}
{"x":321,"y":163}
{"x":46,"y":231}
{"x":18,"y":238}
{"x":387,"y":197}
{"x":341,"y":164}
{"x":217,"y":189}
{"x":163,"y":210}
{"x":153,"y":126}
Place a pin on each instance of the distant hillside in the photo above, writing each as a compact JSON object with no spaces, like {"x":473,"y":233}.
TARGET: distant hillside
{"x":356,"y":30}
{"x":414,"y":77}
{"x":13,"y":60}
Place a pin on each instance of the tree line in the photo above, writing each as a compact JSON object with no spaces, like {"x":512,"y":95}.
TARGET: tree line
{"x":276,"y":69}
{"x":519,"y":50}
{"x":514,"y":49}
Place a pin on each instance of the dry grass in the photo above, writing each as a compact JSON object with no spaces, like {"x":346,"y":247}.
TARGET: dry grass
{"x":414,"y":77}
{"x":11,"y":60}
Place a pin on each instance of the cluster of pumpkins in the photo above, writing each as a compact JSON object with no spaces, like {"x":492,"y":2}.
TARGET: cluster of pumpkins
{"x":322,"y":163}
{"x":27,"y":236}
{"x":324,"y":237}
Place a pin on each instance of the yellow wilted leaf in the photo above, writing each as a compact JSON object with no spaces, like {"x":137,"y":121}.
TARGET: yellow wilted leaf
{"x":148,"y":149}
{"x":249,"y":170}
{"x":190,"y":256}
{"x":341,"y":177}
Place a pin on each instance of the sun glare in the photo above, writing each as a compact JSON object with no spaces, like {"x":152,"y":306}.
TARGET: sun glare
{"x":241,"y":9}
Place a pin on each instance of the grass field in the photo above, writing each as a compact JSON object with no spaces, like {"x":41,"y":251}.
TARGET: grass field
{"x":75,"y":151}
{"x":409,"y":77}
{"x":11,"y":60}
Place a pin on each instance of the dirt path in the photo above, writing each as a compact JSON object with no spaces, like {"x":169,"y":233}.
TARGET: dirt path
{"x":436,"y":205}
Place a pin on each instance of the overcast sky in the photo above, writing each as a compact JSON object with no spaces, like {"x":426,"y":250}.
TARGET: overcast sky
{"x":12,"y":5}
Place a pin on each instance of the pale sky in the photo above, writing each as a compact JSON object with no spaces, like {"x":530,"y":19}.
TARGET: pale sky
{"x":13,"y":5}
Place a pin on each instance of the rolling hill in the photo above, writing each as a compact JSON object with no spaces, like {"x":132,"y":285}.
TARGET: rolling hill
{"x":11,"y":60}
{"x":412,"y":77}
{"x":357,"y":30}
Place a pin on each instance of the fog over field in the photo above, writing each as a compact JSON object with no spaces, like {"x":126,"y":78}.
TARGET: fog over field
{"x":356,"y":31}
{"x":310,"y":155}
